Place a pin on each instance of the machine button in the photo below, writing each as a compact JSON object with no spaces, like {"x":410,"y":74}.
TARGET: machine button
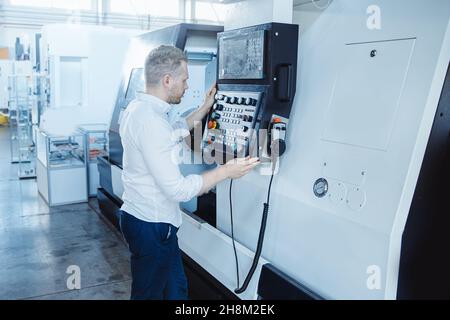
{"x":228,"y":100}
{"x":241,"y":100}
{"x":215,"y":115}
{"x":212,"y":124}
{"x":248,"y":101}
{"x":254,"y":101}
{"x":277,"y":120}
{"x":245,"y":128}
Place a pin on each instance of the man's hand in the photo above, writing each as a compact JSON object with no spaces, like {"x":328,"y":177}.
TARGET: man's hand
{"x":209,"y":98}
{"x":233,"y":169}
{"x":195,"y":118}
{"x":239,"y":167}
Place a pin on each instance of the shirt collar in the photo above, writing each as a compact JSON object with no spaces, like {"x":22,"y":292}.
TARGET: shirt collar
{"x":158,"y":105}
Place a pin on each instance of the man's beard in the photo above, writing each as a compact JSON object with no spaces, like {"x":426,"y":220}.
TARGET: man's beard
{"x":174,"y":99}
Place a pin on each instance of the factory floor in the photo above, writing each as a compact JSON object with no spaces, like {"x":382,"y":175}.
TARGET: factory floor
{"x":38,"y":244}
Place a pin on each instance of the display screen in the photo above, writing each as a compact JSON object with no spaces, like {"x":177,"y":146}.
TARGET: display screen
{"x":136,"y":83}
{"x":242,"y":56}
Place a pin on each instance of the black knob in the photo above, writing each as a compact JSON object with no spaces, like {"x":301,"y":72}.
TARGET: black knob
{"x":228,"y":100}
{"x":254,"y":101}
{"x":219,"y":107}
{"x":245,"y":128}
{"x":215,"y":115}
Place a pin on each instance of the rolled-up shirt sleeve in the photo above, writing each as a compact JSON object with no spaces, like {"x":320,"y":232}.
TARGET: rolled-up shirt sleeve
{"x":157,"y":146}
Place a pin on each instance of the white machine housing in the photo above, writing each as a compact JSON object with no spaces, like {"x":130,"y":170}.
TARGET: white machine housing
{"x":361,"y":119}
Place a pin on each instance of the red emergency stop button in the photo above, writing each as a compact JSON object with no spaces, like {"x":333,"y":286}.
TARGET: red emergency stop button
{"x":277,"y":120}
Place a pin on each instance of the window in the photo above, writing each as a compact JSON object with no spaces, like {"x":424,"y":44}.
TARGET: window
{"x":57,"y":4}
{"x":161,"y":8}
{"x":210,"y":11}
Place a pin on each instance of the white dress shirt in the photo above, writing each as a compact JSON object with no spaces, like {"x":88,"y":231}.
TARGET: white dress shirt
{"x":152,"y":181}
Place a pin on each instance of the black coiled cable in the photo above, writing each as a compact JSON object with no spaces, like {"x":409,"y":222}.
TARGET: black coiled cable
{"x":260,"y":242}
{"x":232,"y":235}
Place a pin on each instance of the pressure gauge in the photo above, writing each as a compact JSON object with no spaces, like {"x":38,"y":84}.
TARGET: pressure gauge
{"x":320,"y":187}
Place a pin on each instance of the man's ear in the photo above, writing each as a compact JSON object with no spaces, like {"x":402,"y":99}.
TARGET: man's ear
{"x":166,"y":81}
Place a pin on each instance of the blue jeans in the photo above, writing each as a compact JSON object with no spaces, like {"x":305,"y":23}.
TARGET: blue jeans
{"x":156,"y":264}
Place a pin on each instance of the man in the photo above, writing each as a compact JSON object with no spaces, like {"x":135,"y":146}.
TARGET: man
{"x":153,"y":184}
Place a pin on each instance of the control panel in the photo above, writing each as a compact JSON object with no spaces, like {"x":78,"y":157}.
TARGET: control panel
{"x":256,"y":83}
{"x":231,"y":121}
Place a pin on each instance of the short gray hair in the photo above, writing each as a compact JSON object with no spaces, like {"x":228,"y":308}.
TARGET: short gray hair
{"x":161,"y":61}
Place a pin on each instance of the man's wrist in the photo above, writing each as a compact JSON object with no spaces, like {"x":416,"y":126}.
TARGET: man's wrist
{"x":203,"y":109}
{"x":222,"y":172}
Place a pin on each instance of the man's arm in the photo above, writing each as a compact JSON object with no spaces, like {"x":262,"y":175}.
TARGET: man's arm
{"x":159,"y":151}
{"x":233,"y":169}
{"x":197,"y":116}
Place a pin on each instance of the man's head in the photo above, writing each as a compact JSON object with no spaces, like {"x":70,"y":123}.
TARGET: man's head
{"x":166,"y":71}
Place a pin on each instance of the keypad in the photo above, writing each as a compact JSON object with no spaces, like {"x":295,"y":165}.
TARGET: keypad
{"x":231,"y":119}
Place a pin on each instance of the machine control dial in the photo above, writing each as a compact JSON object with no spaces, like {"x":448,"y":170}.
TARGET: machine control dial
{"x":247,"y":118}
{"x":215,"y":115}
{"x":320,"y":187}
{"x":212,"y":124}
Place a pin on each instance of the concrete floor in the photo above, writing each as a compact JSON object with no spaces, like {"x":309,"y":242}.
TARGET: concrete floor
{"x":38,"y":243}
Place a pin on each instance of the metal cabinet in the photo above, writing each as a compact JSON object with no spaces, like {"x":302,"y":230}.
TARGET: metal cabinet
{"x":96,"y":142}
{"x":62,"y":168}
